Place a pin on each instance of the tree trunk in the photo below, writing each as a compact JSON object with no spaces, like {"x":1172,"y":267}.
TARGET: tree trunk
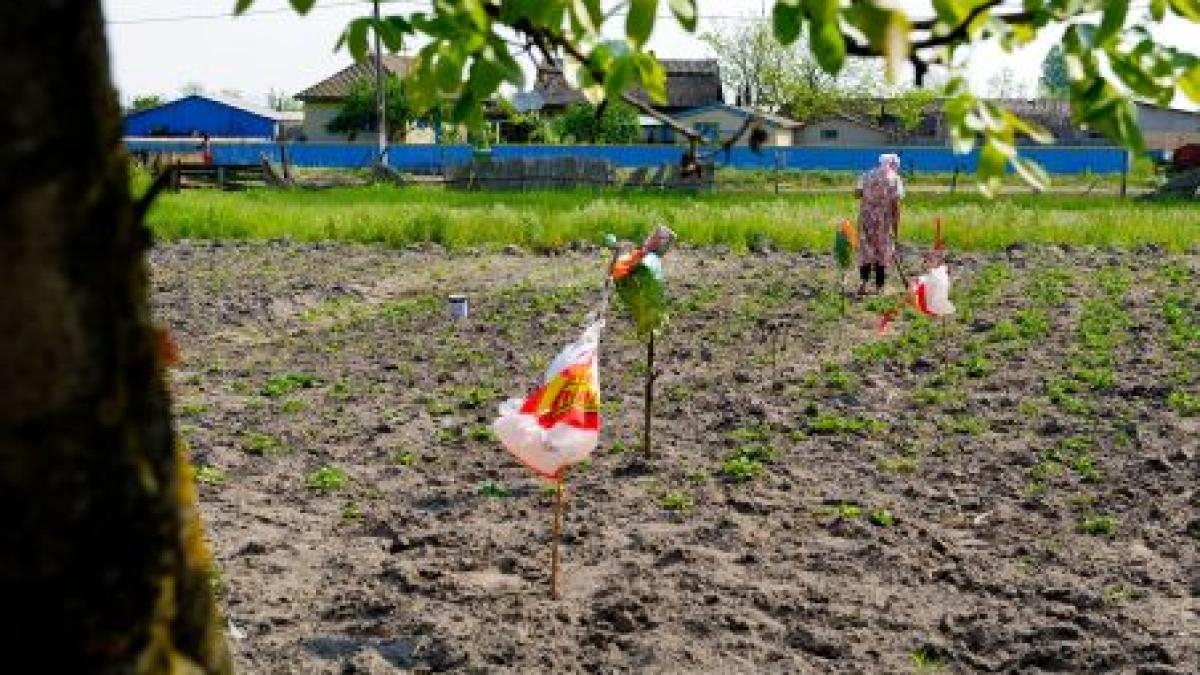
{"x":102,"y":563}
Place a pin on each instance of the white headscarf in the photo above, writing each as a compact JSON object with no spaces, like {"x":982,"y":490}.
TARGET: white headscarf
{"x":889,"y":161}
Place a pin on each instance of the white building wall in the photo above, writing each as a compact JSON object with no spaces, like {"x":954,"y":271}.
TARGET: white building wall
{"x":846,"y":133}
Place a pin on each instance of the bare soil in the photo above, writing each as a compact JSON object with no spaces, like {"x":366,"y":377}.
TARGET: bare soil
{"x":992,"y":493}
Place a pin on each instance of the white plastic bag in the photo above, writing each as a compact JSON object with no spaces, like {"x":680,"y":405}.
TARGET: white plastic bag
{"x":558,"y":425}
{"x":933,"y":292}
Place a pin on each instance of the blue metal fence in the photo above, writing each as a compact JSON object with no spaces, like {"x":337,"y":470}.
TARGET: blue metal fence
{"x":1056,"y":160}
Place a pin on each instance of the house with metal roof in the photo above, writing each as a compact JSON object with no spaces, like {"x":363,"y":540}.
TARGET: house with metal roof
{"x":216,"y":116}
{"x":721,"y":121}
{"x":323,"y":100}
{"x":691,"y":83}
{"x":844,"y":130}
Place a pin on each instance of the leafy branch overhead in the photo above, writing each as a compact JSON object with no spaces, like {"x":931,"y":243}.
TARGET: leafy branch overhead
{"x":469,"y":49}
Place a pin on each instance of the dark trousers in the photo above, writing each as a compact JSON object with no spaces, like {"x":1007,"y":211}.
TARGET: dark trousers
{"x":864,"y":273}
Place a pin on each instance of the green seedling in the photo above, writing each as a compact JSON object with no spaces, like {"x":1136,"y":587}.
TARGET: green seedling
{"x":1085,"y":467}
{"x":838,"y":379}
{"x":830,"y":423}
{"x":405,"y":458}
{"x":750,"y":434}
{"x":190,"y":409}
{"x":292,"y":406}
{"x":926,"y":660}
{"x":741,"y":468}
{"x":210,"y":475}
{"x":977,"y":365}
{"x":965,"y":424}
{"x":1098,"y":525}
{"x":1183,"y":403}
{"x":898,"y":464}
{"x":282,"y":385}
{"x":341,"y":390}
{"x":699,"y":476}
{"x":881,"y":518}
{"x":933,"y":396}
{"x":352,"y":512}
{"x":494,"y":490}
{"x":759,"y":452}
{"x":439,"y":408}
{"x":677,"y":501}
{"x":474,"y":398}
{"x":1004,"y":331}
{"x":480,"y":432}
{"x":326,"y":479}
{"x":257,"y":443}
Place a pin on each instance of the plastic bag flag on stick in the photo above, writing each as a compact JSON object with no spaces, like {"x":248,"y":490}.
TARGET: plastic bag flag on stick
{"x":931,"y":293}
{"x":845,"y":245}
{"x":558,"y":425}
{"x":638,"y":276}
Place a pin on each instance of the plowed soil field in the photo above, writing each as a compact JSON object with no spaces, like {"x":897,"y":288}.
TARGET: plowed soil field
{"x":1014,"y":489}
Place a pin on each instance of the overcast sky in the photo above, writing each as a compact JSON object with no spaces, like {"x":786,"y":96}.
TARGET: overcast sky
{"x":158,"y":47}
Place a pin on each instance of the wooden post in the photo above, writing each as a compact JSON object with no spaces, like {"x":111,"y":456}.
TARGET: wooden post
{"x":648,"y":413}
{"x":554,"y":532}
{"x":954,"y":181}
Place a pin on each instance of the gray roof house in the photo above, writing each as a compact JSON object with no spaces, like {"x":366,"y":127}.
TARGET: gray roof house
{"x":691,"y":83}
{"x":323,"y":100}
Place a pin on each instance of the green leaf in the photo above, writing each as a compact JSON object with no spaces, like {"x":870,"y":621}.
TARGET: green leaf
{"x":355,"y":38}
{"x":787,"y":19}
{"x":952,"y":12}
{"x":302,"y":6}
{"x":1158,"y":9}
{"x":992,"y":164}
{"x":622,"y":73}
{"x":1032,"y":173}
{"x":654,"y":79}
{"x":586,"y":16}
{"x":829,"y":47}
{"x":1188,"y":9}
{"x":392,"y":30}
{"x":242,"y":6}
{"x":449,"y":68}
{"x":639,"y":23}
{"x":1115,"y":12}
{"x":886,"y":29}
{"x":685,"y":14}
{"x":1189,"y":83}
{"x":1138,"y":80}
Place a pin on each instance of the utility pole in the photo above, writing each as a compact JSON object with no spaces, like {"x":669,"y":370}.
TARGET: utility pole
{"x":380,"y":97}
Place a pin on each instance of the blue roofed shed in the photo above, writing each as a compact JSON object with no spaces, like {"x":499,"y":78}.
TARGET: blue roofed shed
{"x":218,"y":117}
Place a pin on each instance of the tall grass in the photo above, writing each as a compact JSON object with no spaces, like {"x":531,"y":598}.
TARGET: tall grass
{"x":546,"y":220}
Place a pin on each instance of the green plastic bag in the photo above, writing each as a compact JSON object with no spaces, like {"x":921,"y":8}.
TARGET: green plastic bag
{"x":644,"y":294}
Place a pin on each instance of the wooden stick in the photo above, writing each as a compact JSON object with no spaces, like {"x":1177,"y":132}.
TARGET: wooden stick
{"x":558,"y":515}
{"x":648,"y":413}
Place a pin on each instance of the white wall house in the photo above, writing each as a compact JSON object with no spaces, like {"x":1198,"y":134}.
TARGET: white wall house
{"x":323,"y":101}
{"x":721,"y":121}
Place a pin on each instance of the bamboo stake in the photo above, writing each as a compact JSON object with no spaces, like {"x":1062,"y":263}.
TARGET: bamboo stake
{"x":648,"y":413}
{"x":554,"y":532}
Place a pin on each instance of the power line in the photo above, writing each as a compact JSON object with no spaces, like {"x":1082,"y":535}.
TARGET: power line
{"x":1134,"y":6}
{"x":248,"y":13}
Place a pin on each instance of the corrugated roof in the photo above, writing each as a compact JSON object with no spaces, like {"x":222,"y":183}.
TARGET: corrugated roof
{"x":770,"y":118}
{"x":339,"y":85}
{"x":691,"y":83}
{"x":232,"y":102}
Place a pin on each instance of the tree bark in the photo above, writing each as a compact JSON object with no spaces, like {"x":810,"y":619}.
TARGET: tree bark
{"x":102,"y":562}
